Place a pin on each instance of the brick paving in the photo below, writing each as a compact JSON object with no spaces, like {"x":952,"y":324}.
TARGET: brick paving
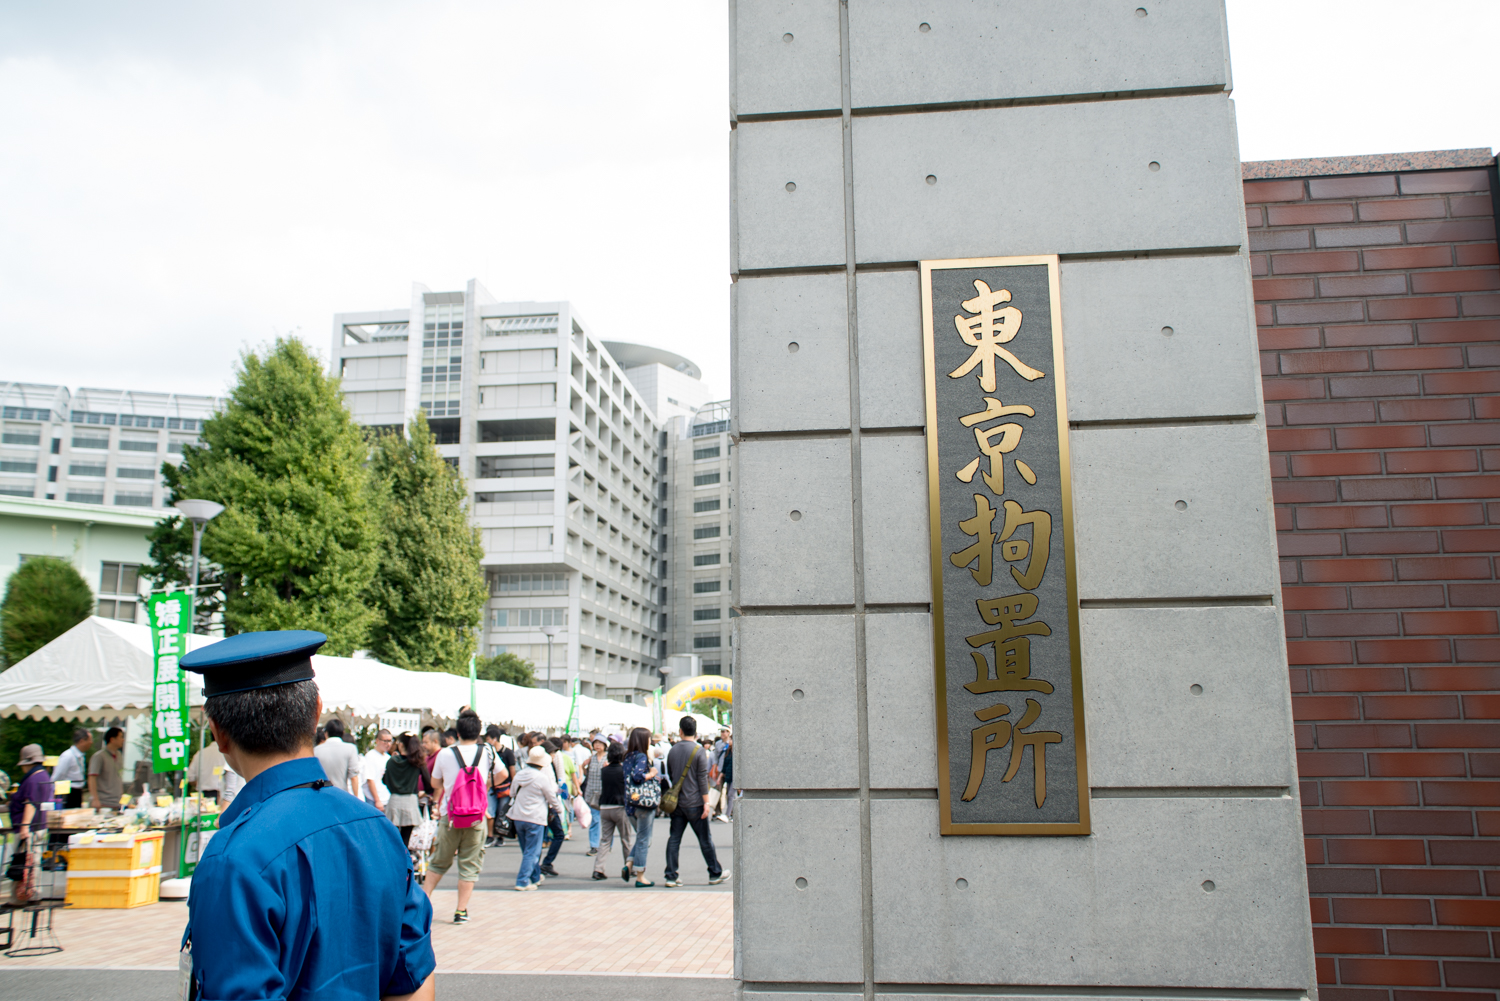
{"x":678,"y":933}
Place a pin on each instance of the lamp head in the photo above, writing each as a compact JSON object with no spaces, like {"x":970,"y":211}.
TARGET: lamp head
{"x":549,"y":631}
{"x":199,"y":512}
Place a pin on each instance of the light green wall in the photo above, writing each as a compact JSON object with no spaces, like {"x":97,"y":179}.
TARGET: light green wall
{"x":85,"y":534}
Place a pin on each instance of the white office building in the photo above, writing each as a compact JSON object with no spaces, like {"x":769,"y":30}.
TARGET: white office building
{"x":564,"y":459}
{"x":93,"y":446}
{"x":700,"y":526}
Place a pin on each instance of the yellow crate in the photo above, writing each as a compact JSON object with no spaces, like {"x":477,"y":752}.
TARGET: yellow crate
{"x":114,"y":873}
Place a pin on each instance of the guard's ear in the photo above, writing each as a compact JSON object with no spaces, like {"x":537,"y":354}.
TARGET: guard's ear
{"x":224,"y":742}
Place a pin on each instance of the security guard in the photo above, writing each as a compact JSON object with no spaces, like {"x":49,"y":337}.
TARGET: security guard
{"x":304,"y":892}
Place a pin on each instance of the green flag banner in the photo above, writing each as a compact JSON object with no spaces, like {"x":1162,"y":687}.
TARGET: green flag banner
{"x":171,"y":619}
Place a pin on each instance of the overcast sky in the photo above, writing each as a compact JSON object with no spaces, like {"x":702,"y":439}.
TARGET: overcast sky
{"x":183,"y":180}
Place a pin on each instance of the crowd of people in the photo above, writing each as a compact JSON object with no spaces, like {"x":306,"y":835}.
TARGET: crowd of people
{"x":454,"y":793}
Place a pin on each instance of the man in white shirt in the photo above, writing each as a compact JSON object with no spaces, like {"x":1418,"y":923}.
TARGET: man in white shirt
{"x":372,"y":772}
{"x":462,"y":844}
{"x":70,"y":768}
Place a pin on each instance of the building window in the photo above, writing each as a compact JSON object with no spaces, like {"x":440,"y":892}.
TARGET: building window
{"x":82,"y":442}
{"x":705,"y":615}
{"x":715,"y":427}
{"x":22,"y":436}
{"x":706,"y":642}
{"x":116,"y":580}
{"x":17,"y":466}
{"x":705,"y":479}
{"x":132,"y":445}
{"x":706,"y":532}
{"x":529,"y":618}
{"x":131,"y":498}
{"x":528,"y":582}
{"x":85,"y":469}
{"x":705,"y":586}
{"x":111,"y":608}
{"x":706,"y":560}
{"x":135,"y":472}
{"x":85,"y":497}
{"x":712,"y":504}
{"x":507,"y":326}
{"x":515,"y":466}
{"x":713,"y":667}
{"x":712,"y":452}
{"x":442,"y":358}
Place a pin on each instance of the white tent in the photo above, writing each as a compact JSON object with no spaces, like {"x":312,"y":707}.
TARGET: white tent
{"x":102,"y":669}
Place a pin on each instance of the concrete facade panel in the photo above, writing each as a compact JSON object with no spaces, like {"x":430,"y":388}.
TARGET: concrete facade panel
{"x":891,"y":393}
{"x":795,"y":675}
{"x":1172,"y":512}
{"x":793,"y":512}
{"x":805,"y":388}
{"x":1094,"y":158}
{"x":1129,"y":905}
{"x":896,"y":536}
{"x":900,"y":684}
{"x":786,"y":932}
{"x":785,"y":56}
{"x":1158,"y":337}
{"x":1147,"y":726}
{"x":1110,"y":48}
{"x":780,"y":228}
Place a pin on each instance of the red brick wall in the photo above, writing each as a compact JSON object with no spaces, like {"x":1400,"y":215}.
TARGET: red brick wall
{"x":1379,"y":325}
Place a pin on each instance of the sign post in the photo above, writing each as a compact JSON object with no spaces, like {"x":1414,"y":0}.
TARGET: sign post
{"x":1011,"y":749}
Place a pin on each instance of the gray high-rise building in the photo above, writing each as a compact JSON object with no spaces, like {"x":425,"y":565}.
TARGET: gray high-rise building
{"x":564,"y":453}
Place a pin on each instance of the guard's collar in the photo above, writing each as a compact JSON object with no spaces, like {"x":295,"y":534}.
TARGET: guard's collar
{"x":277,"y":778}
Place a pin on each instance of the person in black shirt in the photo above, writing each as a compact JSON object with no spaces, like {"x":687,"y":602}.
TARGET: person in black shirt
{"x":612,"y":808}
{"x":687,"y":762}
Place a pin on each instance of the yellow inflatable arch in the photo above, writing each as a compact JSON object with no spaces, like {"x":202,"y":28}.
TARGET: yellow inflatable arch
{"x":705,"y":686}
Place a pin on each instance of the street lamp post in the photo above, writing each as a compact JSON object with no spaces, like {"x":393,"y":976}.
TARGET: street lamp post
{"x":200,"y":513}
{"x":549,"y":632}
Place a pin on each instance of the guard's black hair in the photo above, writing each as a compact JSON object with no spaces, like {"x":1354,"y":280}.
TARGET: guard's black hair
{"x":280,"y":718}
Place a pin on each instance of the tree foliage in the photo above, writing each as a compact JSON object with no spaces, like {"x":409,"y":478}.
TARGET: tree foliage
{"x":508,"y":667}
{"x":171,"y":563}
{"x":44,"y":598}
{"x":429,"y":588}
{"x":296,"y":545}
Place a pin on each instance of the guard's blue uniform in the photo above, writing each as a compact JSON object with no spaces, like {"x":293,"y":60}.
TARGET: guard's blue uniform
{"x":296,"y":897}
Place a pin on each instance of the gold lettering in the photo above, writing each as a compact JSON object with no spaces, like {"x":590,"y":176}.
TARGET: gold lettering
{"x":1040,"y":548}
{"x":983,"y":548}
{"x":995,"y":735}
{"x":986,"y":332}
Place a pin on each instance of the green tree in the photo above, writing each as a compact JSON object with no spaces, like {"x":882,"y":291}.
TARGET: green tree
{"x":508,"y":667}
{"x":296,"y":544}
{"x":171,"y":556}
{"x":429,"y":589}
{"x":44,"y":598}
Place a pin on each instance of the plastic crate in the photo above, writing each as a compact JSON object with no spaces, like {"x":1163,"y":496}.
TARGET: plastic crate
{"x":114,"y":870}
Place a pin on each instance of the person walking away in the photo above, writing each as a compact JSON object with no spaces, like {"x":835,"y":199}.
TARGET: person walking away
{"x":726,"y":774}
{"x":29,"y":819}
{"x":461,"y":784}
{"x":372,"y":785}
{"x":557,"y":822}
{"x":105,"y":785}
{"x":591,"y":789}
{"x":638,"y":772}
{"x":500,"y":794}
{"x":610,"y":808}
{"x":405,"y":774}
{"x":687,"y":768}
{"x":290,"y":848}
{"x":71,"y":765}
{"x":340,"y":759}
{"x":533,"y":798}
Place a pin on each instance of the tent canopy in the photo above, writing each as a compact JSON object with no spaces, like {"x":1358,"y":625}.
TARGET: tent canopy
{"x":101,"y":669}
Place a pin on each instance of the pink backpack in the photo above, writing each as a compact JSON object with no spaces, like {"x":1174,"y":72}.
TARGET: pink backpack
{"x":470,"y":796}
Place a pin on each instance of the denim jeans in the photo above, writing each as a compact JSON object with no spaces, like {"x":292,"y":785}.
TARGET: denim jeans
{"x":699,"y":824}
{"x":555,"y":832}
{"x":594,"y":828}
{"x":645,"y":820}
{"x":530,"y":837}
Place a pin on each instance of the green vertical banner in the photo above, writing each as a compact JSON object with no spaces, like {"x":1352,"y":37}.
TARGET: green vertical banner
{"x":572,"y":710}
{"x":473,"y":676}
{"x":171,"y":618}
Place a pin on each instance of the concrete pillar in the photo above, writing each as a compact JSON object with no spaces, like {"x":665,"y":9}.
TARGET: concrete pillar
{"x":872,"y":135}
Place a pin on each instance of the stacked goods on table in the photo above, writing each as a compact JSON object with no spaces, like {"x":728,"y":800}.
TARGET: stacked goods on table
{"x":114,"y":870}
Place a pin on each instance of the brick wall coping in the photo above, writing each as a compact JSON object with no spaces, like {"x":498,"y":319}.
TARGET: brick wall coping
{"x":1257,"y":170}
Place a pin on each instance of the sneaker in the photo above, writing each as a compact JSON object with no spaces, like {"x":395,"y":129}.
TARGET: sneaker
{"x":723,"y":820}
{"x":592,"y":851}
{"x":539,"y":881}
{"x":670,"y":882}
{"x":528,"y":886}
{"x":599,"y":875}
{"x":549,"y":870}
{"x":720,"y":878}
{"x":460,"y":917}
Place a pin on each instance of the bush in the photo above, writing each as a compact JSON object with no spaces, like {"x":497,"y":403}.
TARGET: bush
{"x":43,"y":599}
